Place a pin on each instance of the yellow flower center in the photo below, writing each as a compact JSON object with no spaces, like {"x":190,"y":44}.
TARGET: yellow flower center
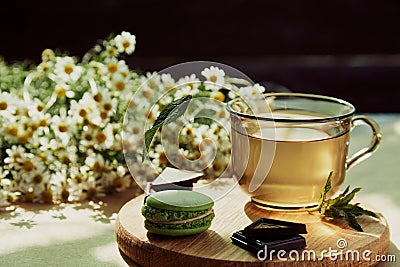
{"x":64,"y":195}
{"x":23,"y":138}
{"x":40,"y":107}
{"x":136,"y":130}
{"x":91,"y":193}
{"x":112,"y":67}
{"x":213,"y":78}
{"x":61,"y":92}
{"x":3,"y":105}
{"x":83,"y":113}
{"x":43,"y":122}
{"x":107,"y":106}
{"x":103,"y":115}
{"x":98,"y":97}
{"x":16,"y":156}
{"x":63,"y":127}
{"x":28,"y":166}
{"x":29,"y":197}
{"x":68,"y":69}
{"x":120,"y":86}
{"x":44,"y":67}
{"x":126,"y":44}
{"x":43,"y":156}
{"x":34,"y":126}
{"x":37,"y":179}
{"x":66,"y":160}
{"x":152,"y":84}
{"x":12,"y":130}
{"x":101,"y":137}
{"x":147,"y":94}
{"x":88,"y":137}
{"x":118,"y":183}
{"x":111,"y":51}
{"x":97,"y":167}
{"x":78,"y":179}
{"x":47,"y":196}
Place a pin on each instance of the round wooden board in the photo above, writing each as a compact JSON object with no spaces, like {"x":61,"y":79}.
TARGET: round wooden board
{"x":232,"y":213}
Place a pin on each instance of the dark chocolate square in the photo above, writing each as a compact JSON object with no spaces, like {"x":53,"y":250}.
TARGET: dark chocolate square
{"x":254,"y":245}
{"x":272,"y":229}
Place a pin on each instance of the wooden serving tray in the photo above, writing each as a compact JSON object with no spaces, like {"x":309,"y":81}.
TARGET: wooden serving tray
{"x":233,"y":212}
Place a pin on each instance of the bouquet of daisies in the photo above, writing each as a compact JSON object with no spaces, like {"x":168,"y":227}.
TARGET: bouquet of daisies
{"x":62,"y":124}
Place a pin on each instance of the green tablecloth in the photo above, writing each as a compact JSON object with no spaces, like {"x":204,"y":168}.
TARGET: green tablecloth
{"x":83,"y":234}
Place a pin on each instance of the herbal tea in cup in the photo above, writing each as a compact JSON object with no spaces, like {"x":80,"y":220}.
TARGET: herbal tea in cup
{"x":284,"y":146}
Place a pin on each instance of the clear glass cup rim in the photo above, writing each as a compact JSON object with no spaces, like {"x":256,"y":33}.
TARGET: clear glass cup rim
{"x":339,"y":101}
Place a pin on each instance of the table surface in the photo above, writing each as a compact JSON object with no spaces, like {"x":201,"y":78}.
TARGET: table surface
{"x":83,"y":234}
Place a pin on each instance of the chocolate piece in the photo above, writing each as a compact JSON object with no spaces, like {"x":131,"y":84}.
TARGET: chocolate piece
{"x":272,"y":246}
{"x":173,"y":179}
{"x":272,"y":229}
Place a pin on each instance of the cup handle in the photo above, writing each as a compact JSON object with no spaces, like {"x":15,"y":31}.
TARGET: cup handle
{"x":365,"y":152}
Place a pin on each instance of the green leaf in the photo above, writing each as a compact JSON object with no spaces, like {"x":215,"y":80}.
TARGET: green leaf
{"x":340,"y":206}
{"x":347,"y":198}
{"x":169,"y":114}
{"x":326,"y":189}
{"x":352,"y":222}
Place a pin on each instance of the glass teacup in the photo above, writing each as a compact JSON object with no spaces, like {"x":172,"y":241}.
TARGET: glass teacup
{"x":284,"y":145}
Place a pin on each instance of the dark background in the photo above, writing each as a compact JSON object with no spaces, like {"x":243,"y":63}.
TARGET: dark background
{"x":348,"y":49}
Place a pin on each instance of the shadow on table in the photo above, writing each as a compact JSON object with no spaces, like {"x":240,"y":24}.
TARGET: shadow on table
{"x":103,"y":210}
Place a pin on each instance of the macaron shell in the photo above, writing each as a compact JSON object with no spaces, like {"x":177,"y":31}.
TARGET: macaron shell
{"x":169,"y":215}
{"x":178,"y":232}
{"x":180,"y":200}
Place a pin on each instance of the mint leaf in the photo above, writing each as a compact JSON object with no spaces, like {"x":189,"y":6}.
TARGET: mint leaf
{"x":169,"y":114}
{"x":340,"y":207}
{"x":351,"y":220}
{"x":325,"y":190}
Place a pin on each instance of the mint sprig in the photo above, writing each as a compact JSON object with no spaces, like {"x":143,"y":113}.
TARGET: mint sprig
{"x":169,"y":114}
{"x":340,"y":206}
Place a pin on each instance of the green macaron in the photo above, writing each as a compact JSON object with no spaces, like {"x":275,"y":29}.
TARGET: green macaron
{"x":177,"y":212}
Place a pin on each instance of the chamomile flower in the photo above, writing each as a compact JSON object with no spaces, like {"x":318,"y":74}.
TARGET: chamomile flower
{"x":45,"y":66}
{"x":96,"y":163}
{"x":215,"y":77}
{"x":125,"y":42}
{"x":167,"y":81}
{"x":63,"y":128}
{"x":111,"y":51}
{"x":104,"y":138}
{"x":249,"y":92}
{"x":63,"y":90}
{"x":92,"y":188}
{"x":117,"y":66}
{"x":189,"y":81}
{"x":7,"y":104}
{"x":6,"y":198}
{"x":66,"y":69}
{"x":79,"y":112}
{"x":14,"y":155}
{"x":48,"y":55}
{"x":119,"y":82}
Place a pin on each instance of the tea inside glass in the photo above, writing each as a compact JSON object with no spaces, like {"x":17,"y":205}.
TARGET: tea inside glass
{"x":282,"y":155}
